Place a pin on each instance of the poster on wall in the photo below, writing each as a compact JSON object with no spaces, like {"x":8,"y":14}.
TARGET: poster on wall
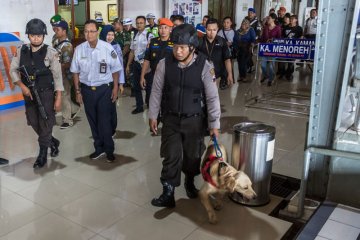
{"x":190,"y":9}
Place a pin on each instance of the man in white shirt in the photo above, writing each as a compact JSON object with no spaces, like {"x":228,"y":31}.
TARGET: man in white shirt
{"x":95,"y":67}
{"x":311,"y":25}
{"x":137,"y":54}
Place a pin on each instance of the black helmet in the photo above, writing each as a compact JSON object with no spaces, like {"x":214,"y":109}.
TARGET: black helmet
{"x":185,"y":34}
{"x":36,"y":26}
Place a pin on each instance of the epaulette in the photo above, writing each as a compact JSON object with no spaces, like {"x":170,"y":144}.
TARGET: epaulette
{"x":52,"y":49}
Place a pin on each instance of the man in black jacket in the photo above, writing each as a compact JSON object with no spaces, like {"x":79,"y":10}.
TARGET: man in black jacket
{"x":217,"y":52}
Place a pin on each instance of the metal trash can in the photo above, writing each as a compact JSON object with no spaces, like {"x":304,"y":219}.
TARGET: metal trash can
{"x":253,"y":145}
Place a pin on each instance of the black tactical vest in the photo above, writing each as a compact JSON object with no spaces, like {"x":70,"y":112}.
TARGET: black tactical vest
{"x":35,"y":66}
{"x":159,"y":50}
{"x":183,"y":88}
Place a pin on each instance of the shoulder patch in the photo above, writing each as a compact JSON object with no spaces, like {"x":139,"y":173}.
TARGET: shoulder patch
{"x":113,"y":54}
{"x":51,"y":49}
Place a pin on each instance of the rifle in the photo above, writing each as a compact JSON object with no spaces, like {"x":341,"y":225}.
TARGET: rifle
{"x":34,"y":92}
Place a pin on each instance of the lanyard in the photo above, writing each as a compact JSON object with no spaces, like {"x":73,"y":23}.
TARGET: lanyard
{"x":207,"y":48}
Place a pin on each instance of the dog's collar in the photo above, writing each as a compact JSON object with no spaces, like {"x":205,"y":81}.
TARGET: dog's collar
{"x":205,"y":171}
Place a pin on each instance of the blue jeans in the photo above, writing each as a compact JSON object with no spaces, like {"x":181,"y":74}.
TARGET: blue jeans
{"x":264,"y":68}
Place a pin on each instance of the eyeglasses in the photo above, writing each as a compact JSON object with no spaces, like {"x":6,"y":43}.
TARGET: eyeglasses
{"x":88,"y":32}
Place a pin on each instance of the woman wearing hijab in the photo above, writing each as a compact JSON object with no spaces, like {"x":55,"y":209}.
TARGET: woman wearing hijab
{"x":107,"y":34}
{"x":244,"y":39}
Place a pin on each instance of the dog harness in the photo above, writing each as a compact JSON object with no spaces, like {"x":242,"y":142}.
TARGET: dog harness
{"x":205,"y":171}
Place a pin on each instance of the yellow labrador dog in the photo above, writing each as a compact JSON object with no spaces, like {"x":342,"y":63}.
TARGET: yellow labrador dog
{"x":220,"y":178}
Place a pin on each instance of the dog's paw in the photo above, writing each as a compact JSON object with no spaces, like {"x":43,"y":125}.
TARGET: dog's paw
{"x":212,"y":218}
{"x":218,"y":206}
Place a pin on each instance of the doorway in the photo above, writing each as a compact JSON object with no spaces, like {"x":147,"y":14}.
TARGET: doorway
{"x":221,"y":8}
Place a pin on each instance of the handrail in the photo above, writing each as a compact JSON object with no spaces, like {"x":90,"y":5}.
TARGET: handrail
{"x":307,"y":155}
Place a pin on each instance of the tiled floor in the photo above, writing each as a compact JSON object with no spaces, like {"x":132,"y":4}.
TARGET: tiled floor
{"x":343,"y":223}
{"x":76,"y":198}
{"x":333,"y":222}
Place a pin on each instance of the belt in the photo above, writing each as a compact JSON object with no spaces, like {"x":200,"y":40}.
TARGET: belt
{"x":183,"y":115}
{"x":94,"y":88}
{"x":45,"y":89}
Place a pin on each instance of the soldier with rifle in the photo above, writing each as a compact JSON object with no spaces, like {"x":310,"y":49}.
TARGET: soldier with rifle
{"x":37,"y":71}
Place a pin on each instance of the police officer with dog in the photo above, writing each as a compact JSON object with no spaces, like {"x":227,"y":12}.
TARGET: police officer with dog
{"x":37,"y":71}
{"x":185,"y":91}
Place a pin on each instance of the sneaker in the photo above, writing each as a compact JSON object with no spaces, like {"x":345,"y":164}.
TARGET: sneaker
{"x":137,"y":110}
{"x":73,"y":115}
{"x":96,"y":155}
{"x":110,"y":157}
{"x":263,"y":79}
{"x":65,"y":126}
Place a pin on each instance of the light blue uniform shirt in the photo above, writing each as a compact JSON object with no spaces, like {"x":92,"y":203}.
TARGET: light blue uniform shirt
{"x":139,"y":44}
{"x":86,"y":61}
{"x":117,"y":48}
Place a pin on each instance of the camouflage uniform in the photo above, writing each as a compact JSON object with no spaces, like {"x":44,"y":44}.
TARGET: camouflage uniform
{"x":123,"y":38}
{"x":127,"y":38}
{"x":65,"y":50}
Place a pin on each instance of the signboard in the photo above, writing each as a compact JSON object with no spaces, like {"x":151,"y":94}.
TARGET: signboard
{"x":189,"y":9}
{"x":10,"y":95}
{"x":303,"y":49}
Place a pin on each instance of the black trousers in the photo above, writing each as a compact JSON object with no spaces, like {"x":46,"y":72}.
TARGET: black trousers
{"x":243,"y":61}
{"x":98,"y":109}
{"x":113,"y":118}
{"x":286,"y":68}
{"x":149,"y":77}
{"x":182,"y":145}
{"x":43,"y":128}
{"x":137,"y":87}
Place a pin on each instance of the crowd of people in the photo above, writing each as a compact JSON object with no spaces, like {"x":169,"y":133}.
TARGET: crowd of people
{"x":180,"y":67}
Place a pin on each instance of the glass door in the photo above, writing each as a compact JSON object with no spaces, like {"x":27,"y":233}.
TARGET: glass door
{"x":75,"y":12}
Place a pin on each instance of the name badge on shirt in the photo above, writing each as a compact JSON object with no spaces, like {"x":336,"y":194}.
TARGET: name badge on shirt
{"x":103,"y":66}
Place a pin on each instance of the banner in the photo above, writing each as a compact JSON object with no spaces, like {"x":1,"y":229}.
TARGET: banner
{"x":294,"y":41}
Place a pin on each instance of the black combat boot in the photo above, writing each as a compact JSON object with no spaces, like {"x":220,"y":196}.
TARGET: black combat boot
{"x":42,"y":158}
{"x":54,"y":147}
{"x":191,"y":190}
{"x":167,"y":198}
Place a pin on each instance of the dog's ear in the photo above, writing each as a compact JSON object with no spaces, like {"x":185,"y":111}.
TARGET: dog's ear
{"x":230,"y":183}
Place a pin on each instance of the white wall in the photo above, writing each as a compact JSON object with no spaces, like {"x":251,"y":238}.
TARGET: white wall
{"x":241,"y":12}
{"x":277,"y":4}
{"x":16,"y":13}
{"x":133,"y":8}
{"x":100,"y":6}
